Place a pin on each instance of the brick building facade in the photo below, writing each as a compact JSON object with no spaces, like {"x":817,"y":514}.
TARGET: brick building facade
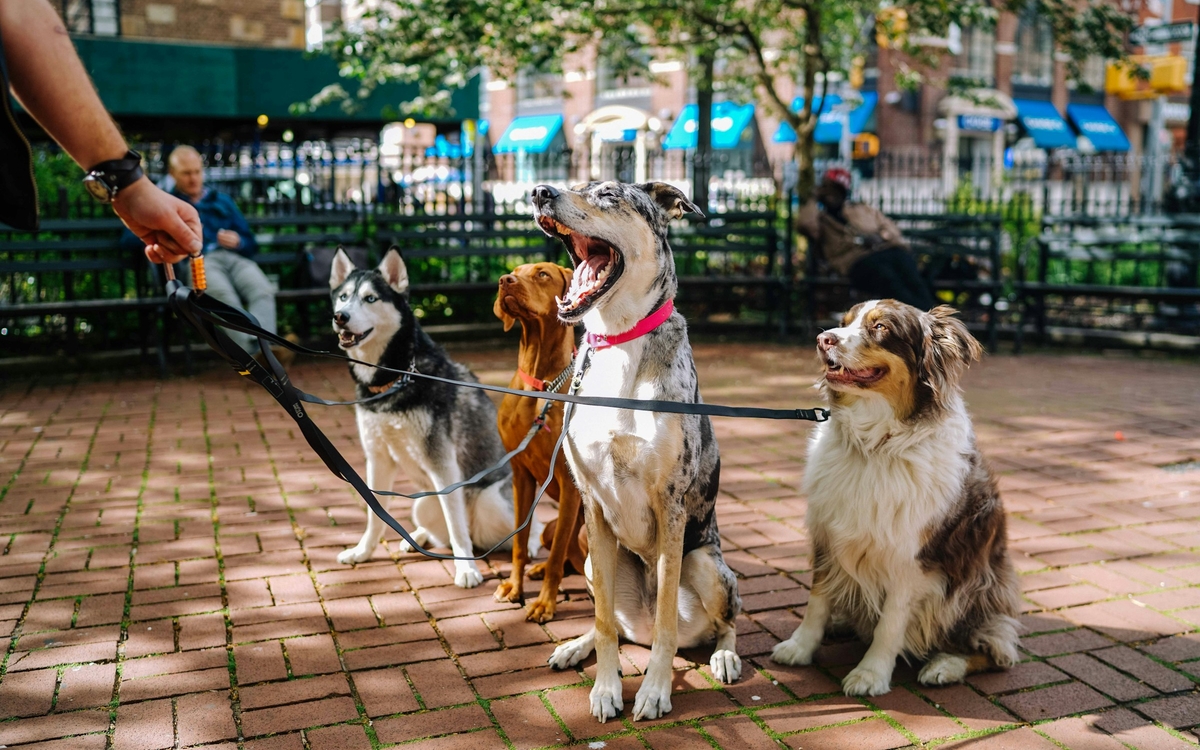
{"x":259,"y":23}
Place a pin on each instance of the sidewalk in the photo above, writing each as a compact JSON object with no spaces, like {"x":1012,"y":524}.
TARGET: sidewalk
{"x":169,"y":579}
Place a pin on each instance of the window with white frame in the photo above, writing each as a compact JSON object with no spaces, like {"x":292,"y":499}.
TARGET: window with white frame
{"x":98,"y":17}
{"x":977,"y":61}
{"x":1033,"y":64}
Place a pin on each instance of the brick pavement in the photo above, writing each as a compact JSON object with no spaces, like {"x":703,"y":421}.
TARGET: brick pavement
{"x":169,"y":579}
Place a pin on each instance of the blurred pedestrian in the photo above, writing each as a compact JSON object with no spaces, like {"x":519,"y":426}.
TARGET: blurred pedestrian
{"x":39,"y":65}
{"x":229,"y":246}
{"x":862,"y":244}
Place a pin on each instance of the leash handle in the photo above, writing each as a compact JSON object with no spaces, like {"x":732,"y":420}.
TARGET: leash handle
{"x":199,"y":280}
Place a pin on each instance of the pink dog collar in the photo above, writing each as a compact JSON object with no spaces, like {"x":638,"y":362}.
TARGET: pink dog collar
{"x":644,"y":326}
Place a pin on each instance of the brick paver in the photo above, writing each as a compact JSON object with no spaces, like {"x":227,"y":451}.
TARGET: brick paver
{"x":168,"y":579}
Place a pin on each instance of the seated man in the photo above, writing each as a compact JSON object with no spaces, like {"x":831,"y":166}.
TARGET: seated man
{"x":228,"y":245}
{"x":860,"y":243}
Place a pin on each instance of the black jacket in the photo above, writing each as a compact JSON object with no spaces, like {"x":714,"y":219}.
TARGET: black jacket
{"x":18,"y":191}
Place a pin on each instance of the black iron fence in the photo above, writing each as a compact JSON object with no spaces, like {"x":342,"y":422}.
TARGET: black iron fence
{"x":1007,"y":244}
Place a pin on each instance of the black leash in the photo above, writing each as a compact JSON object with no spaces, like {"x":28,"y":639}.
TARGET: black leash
{"x":238,"y":320}
{"x":208,"y":316}
{"x":197,"y":309}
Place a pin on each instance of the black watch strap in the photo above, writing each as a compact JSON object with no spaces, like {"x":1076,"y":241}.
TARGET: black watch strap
{"x":120,"y":173}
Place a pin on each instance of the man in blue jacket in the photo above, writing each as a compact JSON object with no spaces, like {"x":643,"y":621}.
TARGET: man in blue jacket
{"x":233,"y":277}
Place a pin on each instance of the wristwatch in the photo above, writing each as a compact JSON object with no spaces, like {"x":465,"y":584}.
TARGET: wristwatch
{"x":108,"y":178}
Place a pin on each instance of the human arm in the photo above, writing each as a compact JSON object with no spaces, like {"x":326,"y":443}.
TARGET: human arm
{"x":888,"y":230}
{"x":248,"y":243}
{"x":808,"y":220}
{"x":49,"y":80}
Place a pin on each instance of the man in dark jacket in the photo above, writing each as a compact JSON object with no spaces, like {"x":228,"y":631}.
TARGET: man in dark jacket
{"x":233,"y":277}
{"x":861,"y":243}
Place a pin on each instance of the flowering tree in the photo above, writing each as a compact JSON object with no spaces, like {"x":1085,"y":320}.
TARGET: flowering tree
{"x":764,"y":46}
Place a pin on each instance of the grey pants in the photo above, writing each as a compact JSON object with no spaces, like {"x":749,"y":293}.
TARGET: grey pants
{"x":238,"y":281}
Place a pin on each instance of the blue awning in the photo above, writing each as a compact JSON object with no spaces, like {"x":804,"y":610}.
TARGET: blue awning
{"x":1043,"y":122}
{"x":829,"y":122}
{"x":532,"y":134}
{"x":1094,"y":121}
{"x":444,"y":148}
{"x":729,"y":121}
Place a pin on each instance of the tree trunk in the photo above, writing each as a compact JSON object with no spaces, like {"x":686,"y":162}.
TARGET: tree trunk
{"x":806,"y":125}
{"x":703,"y":157}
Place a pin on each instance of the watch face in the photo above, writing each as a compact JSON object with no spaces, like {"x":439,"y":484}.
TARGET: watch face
{"x":98,"y":189}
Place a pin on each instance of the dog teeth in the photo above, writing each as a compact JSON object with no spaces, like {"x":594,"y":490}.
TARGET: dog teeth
{"x":562,"y":228}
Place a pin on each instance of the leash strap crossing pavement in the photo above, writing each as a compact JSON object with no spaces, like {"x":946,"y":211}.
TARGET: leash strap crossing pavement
{"x":208,"y":316}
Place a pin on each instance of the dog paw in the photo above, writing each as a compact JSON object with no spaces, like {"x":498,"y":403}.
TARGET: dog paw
{"x":508,"y":591}
{"x":866,"y":681}
{"x":570,"y":653}
{"x":419,"y":535}
{"x":467,"y":577}
{"x":355,"y":555}
{"x":541,"y":610}
{"x":726,"y":665}
{"x":606,"y":699}
{"x":943,"y":669}
{"x":793,"y":652}
{"x":653,"y":699}
{"x":536,"y":572}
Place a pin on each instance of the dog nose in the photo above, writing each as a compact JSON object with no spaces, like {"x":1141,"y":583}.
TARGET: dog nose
{"x":340,"y":318}
{"x":543,"y":194}
{"x":826,"y":341}
{"x":507,"y":279}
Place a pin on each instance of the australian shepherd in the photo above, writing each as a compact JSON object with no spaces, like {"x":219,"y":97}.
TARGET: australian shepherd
{"x":905,"y":519}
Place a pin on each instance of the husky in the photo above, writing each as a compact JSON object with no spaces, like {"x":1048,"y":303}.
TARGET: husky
{"x":648,"y":481}
{"x":438,"y":433}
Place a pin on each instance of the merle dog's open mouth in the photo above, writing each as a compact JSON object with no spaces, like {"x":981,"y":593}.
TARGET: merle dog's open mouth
{"x":842,"y":375}
{"x":349,"y":339}
{"x":597,"y":263}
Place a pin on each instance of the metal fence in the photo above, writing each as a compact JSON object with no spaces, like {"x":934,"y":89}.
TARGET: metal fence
{"x":460,"y":209}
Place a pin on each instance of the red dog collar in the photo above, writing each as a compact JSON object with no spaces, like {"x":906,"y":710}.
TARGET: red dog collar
{"x":644,"y":326}
{"x":536,"y":384}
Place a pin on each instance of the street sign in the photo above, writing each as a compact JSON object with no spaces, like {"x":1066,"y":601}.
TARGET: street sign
{"x":979,"y":123}
{"x":1163,"y":34}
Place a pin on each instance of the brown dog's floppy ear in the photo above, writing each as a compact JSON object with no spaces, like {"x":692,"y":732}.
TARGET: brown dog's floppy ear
{"x":395,"y":273}
{"x":671,"y":199}
{"x":504,"y":317}
{"x":341,"y":268}
{"x":949,"y":350}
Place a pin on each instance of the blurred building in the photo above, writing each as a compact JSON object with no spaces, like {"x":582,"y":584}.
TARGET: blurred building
{"x":1012,"y":101}
{"x":228,"y":70}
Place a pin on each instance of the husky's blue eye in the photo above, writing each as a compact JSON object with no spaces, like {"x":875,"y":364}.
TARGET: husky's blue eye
{"x":344,"y":297}
{"x":370,"y":298}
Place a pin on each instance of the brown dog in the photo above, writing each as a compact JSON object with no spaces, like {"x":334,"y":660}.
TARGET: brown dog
{"x":527,"y":294}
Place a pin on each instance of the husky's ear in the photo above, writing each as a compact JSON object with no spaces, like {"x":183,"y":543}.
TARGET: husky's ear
{"x":395,"y":273}
{"x":503,"y":315}
{"x":341,"y":268}
{"x":949,"y":351}
{"x":671,"y":199}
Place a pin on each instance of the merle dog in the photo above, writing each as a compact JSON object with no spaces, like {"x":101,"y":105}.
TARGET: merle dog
{"x":648,"y":480}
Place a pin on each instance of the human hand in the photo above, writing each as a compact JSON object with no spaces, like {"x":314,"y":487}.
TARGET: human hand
{"x":169,"y":227}
{"x":229,"y":239}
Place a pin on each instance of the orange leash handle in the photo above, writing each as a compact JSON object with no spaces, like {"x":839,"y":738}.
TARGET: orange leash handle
{"x":199,"y":280}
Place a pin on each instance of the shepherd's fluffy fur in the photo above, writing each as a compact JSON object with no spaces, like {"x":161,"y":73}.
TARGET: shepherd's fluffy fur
{"x":907,"y":528}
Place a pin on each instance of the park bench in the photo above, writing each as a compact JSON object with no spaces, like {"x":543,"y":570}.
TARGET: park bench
{"x":70,"y":278}
{"x":1134,"y":273}
{"x":958,"y":253}
{"x":717,"y":259}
